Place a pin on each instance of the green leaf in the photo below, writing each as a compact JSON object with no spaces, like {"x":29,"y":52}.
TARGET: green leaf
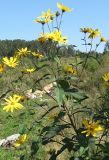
{"x":91,"y":146}
{"x":63,"y":84}
{"x":4,"y":94}
{"x":44,"y":65}
{"x":22,"y":129}
{"x":83,"y":150}
{"x":60,"y":95}
{"x":76,"y":94}
{"x":24,"y":157}
{"x":57,"y":60}
{"x":72,"y":78}
{"x":52,"y":132}
{"x":34,"y":148}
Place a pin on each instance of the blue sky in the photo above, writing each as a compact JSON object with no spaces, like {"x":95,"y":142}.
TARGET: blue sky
{"x":16,"y":18}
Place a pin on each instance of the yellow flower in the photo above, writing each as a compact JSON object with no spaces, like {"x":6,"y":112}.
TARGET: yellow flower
{"x":2,"y":68}
{"x":55,"y":36}
{"x":11,"y":62}
{"x":23,"y":98}
{"x":47,"y":15}
{"x":63,"y":8}
{"x":49,"y":36}
{"x":23,"y":52}
{"x":70,"y":69}
{"x":42,"y":21}
{"x":86,"y":30}
{"x":41,"y":39}
{"x":92,"y":128}
{"x":106,"y":77}
{"x":37,"y":55}
{"x":103,"y":39}
{"x":18,"y":96}
{"x":12,"y":103}
{"x":20,"y":140}
{"x":95,"y":33}
{"x":29,"y":70}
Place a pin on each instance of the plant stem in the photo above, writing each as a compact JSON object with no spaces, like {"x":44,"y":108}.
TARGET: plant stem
{"x":60,"y":21}
{"x":88,"y":54}
{"x":43,"y":28}
{"x":70,"y":118}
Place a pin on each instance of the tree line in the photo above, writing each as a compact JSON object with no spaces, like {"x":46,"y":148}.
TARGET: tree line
{"x":9,"y":47}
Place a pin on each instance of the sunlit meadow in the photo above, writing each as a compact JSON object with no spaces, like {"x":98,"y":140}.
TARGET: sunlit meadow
{"x":54,"y":100}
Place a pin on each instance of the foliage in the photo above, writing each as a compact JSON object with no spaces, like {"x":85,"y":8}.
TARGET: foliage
{"x":9,"y":47}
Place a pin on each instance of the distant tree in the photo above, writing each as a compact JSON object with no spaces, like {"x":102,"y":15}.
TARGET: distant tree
{"x":9,"y":47}
{"x":67,"y":50}
{"x":106,"y":48}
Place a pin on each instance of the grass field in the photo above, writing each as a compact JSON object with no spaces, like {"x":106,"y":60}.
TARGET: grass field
{"x":22,"y":121}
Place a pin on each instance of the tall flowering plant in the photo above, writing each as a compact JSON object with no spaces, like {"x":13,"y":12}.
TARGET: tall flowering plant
{"x":52,"y":98}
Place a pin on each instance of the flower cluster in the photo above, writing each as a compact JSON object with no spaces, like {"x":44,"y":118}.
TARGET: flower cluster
{"x":14,"y":61}
{"x":93,"y":33}
{"x":48,"y":16}
{"x":55,"y":36}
